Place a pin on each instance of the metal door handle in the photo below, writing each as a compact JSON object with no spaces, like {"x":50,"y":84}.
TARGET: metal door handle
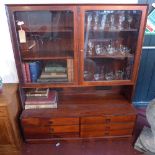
{"x":148,"y":47}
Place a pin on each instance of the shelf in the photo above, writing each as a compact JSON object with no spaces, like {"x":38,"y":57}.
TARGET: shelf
{"x":113,"y":30}
{"x":47,"y":55}
{"x":117,"y":55}
{"x":85,"y":105}
{"x":49,"y":29}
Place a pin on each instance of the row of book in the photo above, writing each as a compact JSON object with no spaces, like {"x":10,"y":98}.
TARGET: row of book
{"x":31,"y":71}
{"x":41,"y":98}
{"x":50,"y":72}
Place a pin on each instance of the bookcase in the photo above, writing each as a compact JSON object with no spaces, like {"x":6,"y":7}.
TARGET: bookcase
{"x":89,"y":55}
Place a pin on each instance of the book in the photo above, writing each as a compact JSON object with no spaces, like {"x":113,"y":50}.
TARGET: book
{"x":36,"y":106}
{"x":27,"y":72}
{"x":46,"y":80}
{"x":51,"y":99}
{"x":55,"y":67}
{"x":70,"y":69}
{"x":53,"y":75}
{"x":38,"y":92}
{"x":35,"y":70}
{"x":24,"y":72}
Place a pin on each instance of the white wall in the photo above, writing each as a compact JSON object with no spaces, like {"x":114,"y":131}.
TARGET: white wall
{"x":7,"y":63}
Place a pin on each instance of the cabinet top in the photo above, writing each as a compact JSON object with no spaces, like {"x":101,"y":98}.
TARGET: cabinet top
{"x":8,"y":91}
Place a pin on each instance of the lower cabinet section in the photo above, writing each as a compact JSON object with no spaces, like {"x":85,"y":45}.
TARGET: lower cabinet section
{"x":82,"y":127}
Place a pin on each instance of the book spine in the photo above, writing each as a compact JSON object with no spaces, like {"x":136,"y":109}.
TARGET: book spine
{"x":70,"y":69}
{"x":35,"y":71}
{"x":40,"y":106}
{"x":28,"y":72}
{"x":24,"y":72}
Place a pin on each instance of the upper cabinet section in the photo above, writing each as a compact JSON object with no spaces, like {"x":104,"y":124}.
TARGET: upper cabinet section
{"x":62,"y":45}
{"x":109,"y":49}
{"x":47,"y":50}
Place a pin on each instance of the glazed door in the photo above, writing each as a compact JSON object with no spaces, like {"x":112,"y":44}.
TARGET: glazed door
{"x":46,"y":37}
{"x":111,"y":38}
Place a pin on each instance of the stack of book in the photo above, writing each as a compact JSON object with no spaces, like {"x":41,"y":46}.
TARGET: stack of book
{"x":41,"y":98}
{"x":53,"y":72}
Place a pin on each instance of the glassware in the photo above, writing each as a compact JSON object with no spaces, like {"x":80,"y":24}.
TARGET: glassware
{"x":96,"y":21}
{"x":109,"y":76}
{"x":129,"y":18}
{"x":103,"y":20}
{"x":112,"y":21}
{"x":110,"y":49}
{"x":98,"y":50}
{"x":121,"y":20}
{"x":97,"y":76}
{"x":89,"y":20}
{"x":90,"y":46}
{"x":119,"y":75}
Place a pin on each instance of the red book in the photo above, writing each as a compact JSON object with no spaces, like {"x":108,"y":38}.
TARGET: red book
{"x":51,"y":99}
{"x":24,"y":72}
{"x":28,"y":72}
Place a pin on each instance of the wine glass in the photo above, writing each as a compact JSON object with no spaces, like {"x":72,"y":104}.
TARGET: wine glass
{"x":129,"y":20}
{"x":121,"y":20}
{"x":89,"y":20}
{"x":112,"y":21}
{"x":90,"y":46}
{"x":96,"y":21}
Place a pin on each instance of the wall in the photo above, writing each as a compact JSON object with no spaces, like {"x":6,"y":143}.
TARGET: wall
{"x":7,"y":63}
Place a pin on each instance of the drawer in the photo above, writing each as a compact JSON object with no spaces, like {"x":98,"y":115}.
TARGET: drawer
{"x":39,"y":132}
{"x":50,"y":136}
{"x":92,"y":120}
{"x":124,"y":132}
{"x":3,"y":111}
{"x":107,"y":127}
{"x":49,"y":121}
{"x":126,"y":118}
{"x":54,"y":129}
{"x":107,"y":119}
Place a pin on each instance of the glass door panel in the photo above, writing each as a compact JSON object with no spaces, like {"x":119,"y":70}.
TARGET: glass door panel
{"x":110,"y":42}
{"x":46,"y":40}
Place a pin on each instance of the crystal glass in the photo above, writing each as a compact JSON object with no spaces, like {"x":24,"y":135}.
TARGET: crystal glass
{"x":90,"y":46}
{"x":96,"y":20}
{"x":121,"y":20}
{"x":89,"y":20}
{"x":129,"y":18}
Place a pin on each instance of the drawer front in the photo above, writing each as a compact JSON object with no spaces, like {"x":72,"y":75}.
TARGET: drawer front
{"x":107,"y":119}
{"x":3,"y":111}
{"x":49,"y":121}
{"x":107,"y":127}
{"x":89,"y":134}
{"x":127,"y":118}
{"x":92,"y":120}
{"x":54,"y":129}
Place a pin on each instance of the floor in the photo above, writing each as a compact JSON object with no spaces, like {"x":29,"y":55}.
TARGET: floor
{"x":123,"y":146}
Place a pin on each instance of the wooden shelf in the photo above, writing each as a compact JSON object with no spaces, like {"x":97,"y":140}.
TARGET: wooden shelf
{"x":85,"y":105}
{"x":116,"y":55}
{"x":114,"y":30}
{"x":48,"y":28}
{"x":47,"y":55}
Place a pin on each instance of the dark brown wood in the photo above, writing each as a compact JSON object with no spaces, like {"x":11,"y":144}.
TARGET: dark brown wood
{"x":86,"y":109}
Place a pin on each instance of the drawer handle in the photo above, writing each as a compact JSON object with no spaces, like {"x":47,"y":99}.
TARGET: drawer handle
{"x":107,"y":120}
{"x":52,"y":130}
{"x":106,"y":133}
{"x":50,"y":122}
{"x":107,"y":128}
